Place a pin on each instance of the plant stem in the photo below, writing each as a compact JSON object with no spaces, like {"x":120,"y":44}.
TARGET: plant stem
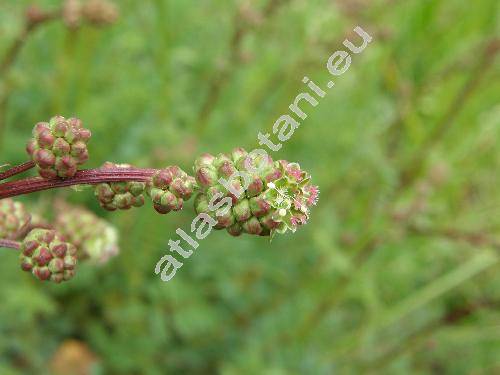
{"x":472,"y":238}
{"x":417,"y":163}
{"x":83,"y":177}
{"x":13,"y":52}
{"x":17,"y":169}
{"x":9,"y":244}
{"x":217,"y":83}
{"x":18,"y":43}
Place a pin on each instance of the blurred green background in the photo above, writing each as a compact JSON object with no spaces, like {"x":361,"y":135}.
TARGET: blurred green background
{"x":397,"y":271}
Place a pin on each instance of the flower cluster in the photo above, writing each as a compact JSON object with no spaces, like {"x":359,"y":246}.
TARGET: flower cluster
{"x":120,"y":195}
{"x":169,"y":188}
{"x":58,"y":147}
{"x":47,"y":257}
{"x":272,"y":199}
{"x":291,"y":197}
{"x":13,"y":219}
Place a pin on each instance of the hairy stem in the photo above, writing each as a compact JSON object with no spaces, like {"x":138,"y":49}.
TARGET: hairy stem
{"x":17,"y":170}
{"x":83,"y":177}
{"x":9,"y":244}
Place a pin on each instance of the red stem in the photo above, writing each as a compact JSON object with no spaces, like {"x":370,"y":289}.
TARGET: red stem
{"x":17,"y":169}
{"x":9,"y":244}
{"x":83,"y":177}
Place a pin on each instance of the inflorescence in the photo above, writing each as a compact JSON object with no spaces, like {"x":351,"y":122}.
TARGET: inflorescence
{"x":276,"y":198}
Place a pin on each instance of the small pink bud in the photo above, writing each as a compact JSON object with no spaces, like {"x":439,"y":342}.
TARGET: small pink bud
{"x":175,"y":171}
{"x":26,"y":264}
{"x":30,"y":247}
{"x":65,"y":166}
{"x":61,"y":147}
{"x":47,"y":173}
{"x":204,"y":160}
{"x":242,"y":211}
{"x":124,"y":201}
{"x":163,"y":178}
{"x":31,"y":147}
{"x":75,"y":122}
{"x":255,"y":188}
{"x":168,"y":199}
{"x":221,"y":159}
{"x":252,"y":226}
{"x":138,"y":201}
{"x":84,"y":135}
{"x":238,"y":153}
{"x":45,"y":139}
{"x":161,"y":209}
{"x":69,"y":262}
{"x":273,"y":175}
{"x":82,"y":157}
{"x":60,"y":127}
{"x":59,"y":249}
{"x":259,"y":206}
{"x":269,"y":222}
{"x":57,"y":278}
{"x":42,"y":256}
{"x":43,"y":273}
{"x":119,"y":187}
{"x":44,"y":158}
{"x":235,"y":230}
{"x":56,"y":265}
{"x":226,"y":169}
{"x":206,"y":176}
{"x":39,"y":127}
{"x":156,"y":194}
{"x":225,"y":221}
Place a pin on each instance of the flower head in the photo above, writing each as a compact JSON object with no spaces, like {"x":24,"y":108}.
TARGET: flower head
{"x":58,"y":147}
{"x":276,"y":198}
{"x":47,"y":257}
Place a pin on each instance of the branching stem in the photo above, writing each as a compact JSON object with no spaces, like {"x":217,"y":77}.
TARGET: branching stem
{"x":17,"y":170}
{"x":9,"y":244}
{"x":83,"y":177}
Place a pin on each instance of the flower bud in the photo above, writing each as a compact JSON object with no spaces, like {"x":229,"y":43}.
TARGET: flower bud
{"x":206,"y":176}
{"x":204,"y":160}
{"x":259,"y":206}
{"x":252,"y":226}
{"x":237,"y":154}
{"x":242,"y":211}
{"x":235,"y":230}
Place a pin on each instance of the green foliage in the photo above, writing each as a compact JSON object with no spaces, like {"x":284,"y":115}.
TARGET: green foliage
{"x":397,"y":271}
